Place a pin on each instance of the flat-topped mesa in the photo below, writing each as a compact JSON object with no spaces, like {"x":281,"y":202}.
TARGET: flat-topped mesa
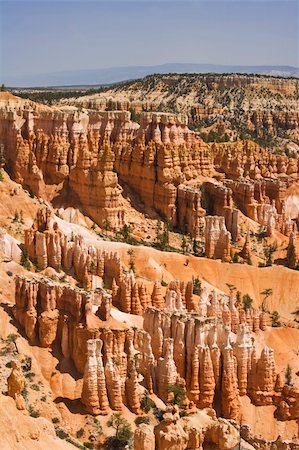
{"x":217,"y":238}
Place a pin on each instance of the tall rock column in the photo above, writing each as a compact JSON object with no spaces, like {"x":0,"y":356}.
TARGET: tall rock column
{"x":206,"y":379}
{"x":166,"y":372}
{"x":102,"y":390}
{"x":89,"y":396}
{"x":229,"y":388}
{"x":113,"y":382}
{"x":132,"y":388}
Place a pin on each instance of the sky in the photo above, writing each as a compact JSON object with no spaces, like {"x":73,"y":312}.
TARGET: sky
{"x":40,"y":36}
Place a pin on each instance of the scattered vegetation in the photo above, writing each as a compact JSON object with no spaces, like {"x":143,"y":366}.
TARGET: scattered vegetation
{"x":266,"y":293}
{"x":275,"y":319}
{"x":125,"y":234}
{"x":162,"y":237}
{"x":25,"y":259}
{"x":268,"y":252}
{"x":123,"y":432}
{"x":132,"y":266}
{"x":214,"y":136}
{"x":178,"y":394}
{"x":197,"y":289}
{"x":80,"y":433}
{"x":288,"y":375}
{"x":247,"y":302}
{"x":146,"y":402}
{"x":61,"y":433}
{"x":142,"y":419}
{"x":33,"y":412}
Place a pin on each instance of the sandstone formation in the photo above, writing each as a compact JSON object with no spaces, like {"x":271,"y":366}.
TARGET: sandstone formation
{"x":160,"y":335}
{"x":144,"y":438}
{"x":16,"y":384}
{"x":262,"y":106}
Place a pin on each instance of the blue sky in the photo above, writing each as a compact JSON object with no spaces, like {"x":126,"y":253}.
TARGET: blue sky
{"x":48,"y":36}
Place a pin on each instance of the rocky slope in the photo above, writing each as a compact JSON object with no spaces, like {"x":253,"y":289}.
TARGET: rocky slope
{"x":265,"y":108}
{"x":194,"y":342}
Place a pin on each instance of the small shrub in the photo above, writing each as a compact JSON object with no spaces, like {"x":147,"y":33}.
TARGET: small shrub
{"x":132,"y":266}
{"x":235,"y":258}
{"x":33,"y":413}
{"x":142,"y":419}
{"x":88,"y":445}
{"x":178,"y":394}
{"x":275,"y":319}
{"x":80,"y":433}
{"x":184,"y":413}
{"x":238,"y":298}
{"x":146,"y":402}
{"x":35,"y":387}
{"x":25,"y":259}
{"x":43,"y":398}
{"x":12,"y":337}
{"x":61,"y":433}
{"x":158,"y":413}
{"x":30,"y":375}
{"x":197,"y":289}
{"x":288,"y":375}
{"x":74,"y":443}
{"x":164,"y":283}
{"x":55,"y":420}
{"x":36,"y":265}
{"x":25,"y":393}
{"x":123,"y":431}
{"x":247,"y":302}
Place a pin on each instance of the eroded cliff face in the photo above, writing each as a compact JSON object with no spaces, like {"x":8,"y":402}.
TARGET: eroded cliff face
{"x":127,"y":335}
{"x":87,"y":152}
{"x":86,"y":157}
{"x":259,"y":105}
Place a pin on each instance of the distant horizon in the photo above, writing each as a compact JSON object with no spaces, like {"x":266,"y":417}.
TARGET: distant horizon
{"x":49,"y":37}
{"x":161,"y":64}
{"x":115,"y":75}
